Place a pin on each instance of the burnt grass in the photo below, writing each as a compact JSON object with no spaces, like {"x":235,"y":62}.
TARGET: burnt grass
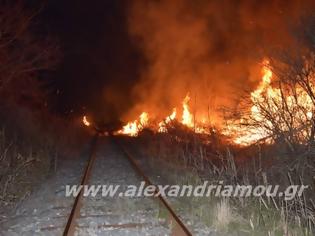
{"x":214,"y":158}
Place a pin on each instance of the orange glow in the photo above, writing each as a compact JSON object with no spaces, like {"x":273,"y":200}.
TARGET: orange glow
{"x":85,"y":121}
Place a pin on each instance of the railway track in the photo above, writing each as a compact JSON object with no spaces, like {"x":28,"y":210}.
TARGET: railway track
{"x":178,"y":227}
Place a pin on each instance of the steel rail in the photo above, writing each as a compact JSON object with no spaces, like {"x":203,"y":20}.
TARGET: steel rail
{"x":75,"y":211}
{"x":134,"y":164}
{"x":181,"y":230}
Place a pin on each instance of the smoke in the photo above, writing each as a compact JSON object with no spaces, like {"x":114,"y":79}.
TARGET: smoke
{"x":209,"y":49}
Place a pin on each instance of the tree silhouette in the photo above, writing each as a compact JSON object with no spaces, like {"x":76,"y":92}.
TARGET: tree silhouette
{"x":23,"y":54}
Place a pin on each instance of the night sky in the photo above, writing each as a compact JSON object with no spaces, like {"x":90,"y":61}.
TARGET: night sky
{"x":98,"y":55}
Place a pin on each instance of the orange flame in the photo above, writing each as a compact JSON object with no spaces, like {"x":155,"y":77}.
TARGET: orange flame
{"x":162,"y":124}
{"x":133,"y":128}
{"x":85,"y":121}
{"x":187,"y":117}
{"x":244,"y":135}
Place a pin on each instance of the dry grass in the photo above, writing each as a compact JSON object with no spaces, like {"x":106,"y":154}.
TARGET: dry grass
{"x":224,"y":214}
{"x":17,"y":162}
{"x":212,"y":159}
{"x":30,"y":151}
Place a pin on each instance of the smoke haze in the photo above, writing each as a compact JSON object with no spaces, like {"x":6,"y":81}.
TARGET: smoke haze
{"x":209,"y":49}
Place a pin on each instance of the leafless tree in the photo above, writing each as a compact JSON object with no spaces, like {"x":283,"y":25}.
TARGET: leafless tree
{"x":285,"y":111}
{"x":22,"y":53}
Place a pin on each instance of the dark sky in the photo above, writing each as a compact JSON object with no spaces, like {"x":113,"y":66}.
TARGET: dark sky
{"x":98,"y":55}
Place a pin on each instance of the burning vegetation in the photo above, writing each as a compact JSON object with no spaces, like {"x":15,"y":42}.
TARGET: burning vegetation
{"x":187,"y":119}
{"x":277,"y":109}
{"x":281,"y":108}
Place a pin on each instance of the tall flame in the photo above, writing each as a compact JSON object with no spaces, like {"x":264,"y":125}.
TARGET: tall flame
{"x":244,"y":135}
{"x":187,"y":117}
{"x":144,"y":120}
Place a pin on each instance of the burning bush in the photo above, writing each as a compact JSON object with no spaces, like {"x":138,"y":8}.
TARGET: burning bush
{"x":281,"y":108}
